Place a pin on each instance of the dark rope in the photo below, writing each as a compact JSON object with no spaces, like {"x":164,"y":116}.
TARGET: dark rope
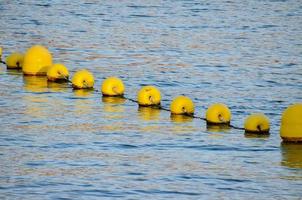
{"x":129,"y":99}
{"x":235,"y":127}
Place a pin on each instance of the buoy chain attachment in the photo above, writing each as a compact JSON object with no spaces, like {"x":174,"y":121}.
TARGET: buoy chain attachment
{"x":1,"y":61}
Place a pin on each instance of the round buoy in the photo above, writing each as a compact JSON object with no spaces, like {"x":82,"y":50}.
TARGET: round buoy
{"x":218,"y":113}
{"x":182,"y":105}
{"x":14,"y":60}
{"x":291,"y":123}
{"x":82,"y":79}
{"x":148,"y":96}
{"x":57,"y":73}
{"x":37,"y":60}
{"x":257,"y":123}
{"x":113,"y":86}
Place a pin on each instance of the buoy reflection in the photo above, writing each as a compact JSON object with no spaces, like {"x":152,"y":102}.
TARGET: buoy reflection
{"x":148,"y":113}
{"x":291,"y":155}
{"x":35,"y":83}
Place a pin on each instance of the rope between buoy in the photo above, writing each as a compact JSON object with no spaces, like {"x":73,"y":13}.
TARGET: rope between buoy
{"x":168,"y":110}
{"x":235,"y":127}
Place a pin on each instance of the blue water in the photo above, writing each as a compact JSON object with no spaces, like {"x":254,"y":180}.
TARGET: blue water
{"x":56,"y":143}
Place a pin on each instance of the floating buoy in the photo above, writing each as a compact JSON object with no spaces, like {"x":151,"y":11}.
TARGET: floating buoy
{"x":218,"y":113}
{"x":57,"y":73}
{"x":83,"y":79}
{"x":291,"y":123}
{"x":148,"y":96}
{"x":37,"y":60}
{"x":182,"y":105}
{"x":113,"y":86}
{"x":14,"y":60}
{"x":257,"y":123}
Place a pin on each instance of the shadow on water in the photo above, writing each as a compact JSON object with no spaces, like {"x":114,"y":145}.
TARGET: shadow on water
{"x":291,"y":155}
{"x":256,"y":136}
{"x":14,"y":72}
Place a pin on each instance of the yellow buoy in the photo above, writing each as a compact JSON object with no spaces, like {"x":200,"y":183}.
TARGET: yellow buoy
{"x":148,"y":96}
{"x":37,"y":60}
{"x":113,"y":86}
{"x":57,"y":73}
{"x":291,"y":123}
{"x":182,"y":105}
{"x":257,"y":123}
{"x":218,"y":113}
{"x":82,"y":79}
{"x":14,"y":60}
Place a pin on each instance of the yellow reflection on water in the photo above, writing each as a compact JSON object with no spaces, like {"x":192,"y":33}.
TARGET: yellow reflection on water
{"x":148,"y":113}
{"x":58,"y":87}
{"x":254,"y":135}
{"x":35,"y":105}
{"x":291,"y":155}
{"x":114,"y":107}
{"x":83,"y":92}
{"x":181,"y":118}
{"x":83,"y":105}
{"x":113,"y":100}
{"x":35,"y":83}
{"x":218,"y":128}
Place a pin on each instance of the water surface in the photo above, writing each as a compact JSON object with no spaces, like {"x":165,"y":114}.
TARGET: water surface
{"x":56,"y":143}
